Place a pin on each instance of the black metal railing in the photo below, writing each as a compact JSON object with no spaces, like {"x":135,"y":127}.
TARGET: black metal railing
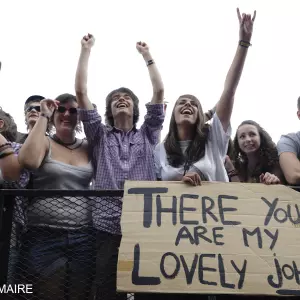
{"x":48,"y":243}
{"x":54,"y":249}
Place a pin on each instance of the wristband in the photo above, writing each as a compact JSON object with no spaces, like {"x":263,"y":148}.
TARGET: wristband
{"x":150,"y":62}
{"x":232,"y":173}
{"x":244,"y":44}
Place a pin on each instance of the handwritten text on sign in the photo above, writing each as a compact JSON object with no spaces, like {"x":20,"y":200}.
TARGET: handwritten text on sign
{"x":216,"y":238}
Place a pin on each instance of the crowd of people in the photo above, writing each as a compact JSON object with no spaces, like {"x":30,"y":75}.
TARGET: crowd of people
{"x":198,"y":147}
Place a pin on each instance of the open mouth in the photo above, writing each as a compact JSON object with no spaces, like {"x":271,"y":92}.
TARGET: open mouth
{"x":187,"y":111}
{"x":121,"y":105}
{"x":33,"y":115}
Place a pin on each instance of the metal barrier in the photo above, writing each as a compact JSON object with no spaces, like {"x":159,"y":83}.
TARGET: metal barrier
{"x":49,"y":248}
{"x":65,"y":259}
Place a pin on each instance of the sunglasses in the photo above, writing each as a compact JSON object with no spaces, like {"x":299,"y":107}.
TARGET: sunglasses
{"x":62,"y":110}
{"x":36,"y":108}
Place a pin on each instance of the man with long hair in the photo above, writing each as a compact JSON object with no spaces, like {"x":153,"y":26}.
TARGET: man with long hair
{"x":120,"y":152}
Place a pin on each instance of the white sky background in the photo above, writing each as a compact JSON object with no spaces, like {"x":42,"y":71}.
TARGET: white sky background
{"x":193,"y":43}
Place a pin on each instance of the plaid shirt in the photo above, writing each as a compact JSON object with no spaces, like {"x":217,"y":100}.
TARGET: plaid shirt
{"x":118,"y":156}
{"x":24,"y":176}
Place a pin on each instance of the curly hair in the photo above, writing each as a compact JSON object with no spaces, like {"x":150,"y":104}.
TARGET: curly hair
{"x":267,"y":152}
{"x":196,"y":149}
{"x":9,"y":129}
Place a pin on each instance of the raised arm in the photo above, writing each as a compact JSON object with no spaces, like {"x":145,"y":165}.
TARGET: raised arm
{"x":35,"y":147}
{"x":87,"y":43}
{"x":225,"y":105}
{"x":209,"y":114}
{"x":157,"y":83}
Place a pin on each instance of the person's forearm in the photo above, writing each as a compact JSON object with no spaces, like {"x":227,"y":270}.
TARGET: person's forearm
{"x":9,"y":164}
{"x":81,"y":80}
{"x":156,"y":80}
{"x":225,"y":105}
{"x":33,"y":150}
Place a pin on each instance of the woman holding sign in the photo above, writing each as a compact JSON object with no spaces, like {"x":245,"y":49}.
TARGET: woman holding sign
{"x":193,"y":150}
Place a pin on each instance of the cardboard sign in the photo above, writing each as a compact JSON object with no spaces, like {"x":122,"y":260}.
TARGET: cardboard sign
{"x":227,"y":238}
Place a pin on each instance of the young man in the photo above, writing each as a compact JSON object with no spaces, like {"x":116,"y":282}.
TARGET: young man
{"x":120,"y":152}
{"x":32,"y":112}
{"x":289,"y":154}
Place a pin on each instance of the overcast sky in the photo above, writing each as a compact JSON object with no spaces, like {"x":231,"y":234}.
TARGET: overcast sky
{"x":192,"y":42}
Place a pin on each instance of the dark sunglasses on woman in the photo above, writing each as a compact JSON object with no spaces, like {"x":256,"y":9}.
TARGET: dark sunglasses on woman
{"x":62,"y":110}
{"x":36,"y":108}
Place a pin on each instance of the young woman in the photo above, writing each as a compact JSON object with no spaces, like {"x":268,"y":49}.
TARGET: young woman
{"x":57,"y":251}
{"x":255,"y":155}
{"x":194,"y":150}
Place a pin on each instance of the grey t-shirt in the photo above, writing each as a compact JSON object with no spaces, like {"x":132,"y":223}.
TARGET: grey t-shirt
{"x":289,"y":143}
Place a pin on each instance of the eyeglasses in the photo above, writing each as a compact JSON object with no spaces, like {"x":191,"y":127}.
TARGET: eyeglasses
{"x":62,"y":110}
{"x":30,"y":108}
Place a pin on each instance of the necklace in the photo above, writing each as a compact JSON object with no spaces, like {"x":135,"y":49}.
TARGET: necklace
{"x":71,"y":146}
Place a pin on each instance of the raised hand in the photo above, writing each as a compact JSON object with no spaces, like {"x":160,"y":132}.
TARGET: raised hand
{"x":192,"y":178}
{"x":48,"y":106}
{"x":269,"y":178}
{"x":88,"y":41}
{"x":246,"y":25}
{"x":142,"y":48}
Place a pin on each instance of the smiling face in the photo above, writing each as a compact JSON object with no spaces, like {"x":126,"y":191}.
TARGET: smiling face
{"x":32,"y":112}
{"x":65,"y":118}
{"x":186,"y":111}
{"x":248,"y":138}
{"x":121,"y":105}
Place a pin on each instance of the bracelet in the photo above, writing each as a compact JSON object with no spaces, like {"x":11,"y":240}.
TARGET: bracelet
{"x":150,"y":62}
{"x":232,"y":173}
{"x":244,"y":44}
{"x":45,"y":116}
{"x":6,"y":145}
{"x":2,"y":155}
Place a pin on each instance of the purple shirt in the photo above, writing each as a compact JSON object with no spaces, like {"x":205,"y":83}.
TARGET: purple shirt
{"x":24,"y":176}
{"x":118,"y":156}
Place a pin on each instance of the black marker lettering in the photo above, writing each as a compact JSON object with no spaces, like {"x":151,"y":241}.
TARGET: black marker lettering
{"x":241,"y":272}
{"x":206,"y":210}
{"x":183,"y":209}
{"x":160,"y":210}
{"x":272,"y":207}
{"x":256,"y":231}
{"x":224,"y":284}
{"x":222,"y":209}
{"x":189,"y":273}
{"x":162,"y":265}
{"x":184,"y":233}
{"x":199,"y":232}
{"x":147,"y":192}
{"x":202,"y":269}
{"x":279,"y":276}
{"x":135,"y":277}
{"x":215,"y":236}
{"x":273,"y":237}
